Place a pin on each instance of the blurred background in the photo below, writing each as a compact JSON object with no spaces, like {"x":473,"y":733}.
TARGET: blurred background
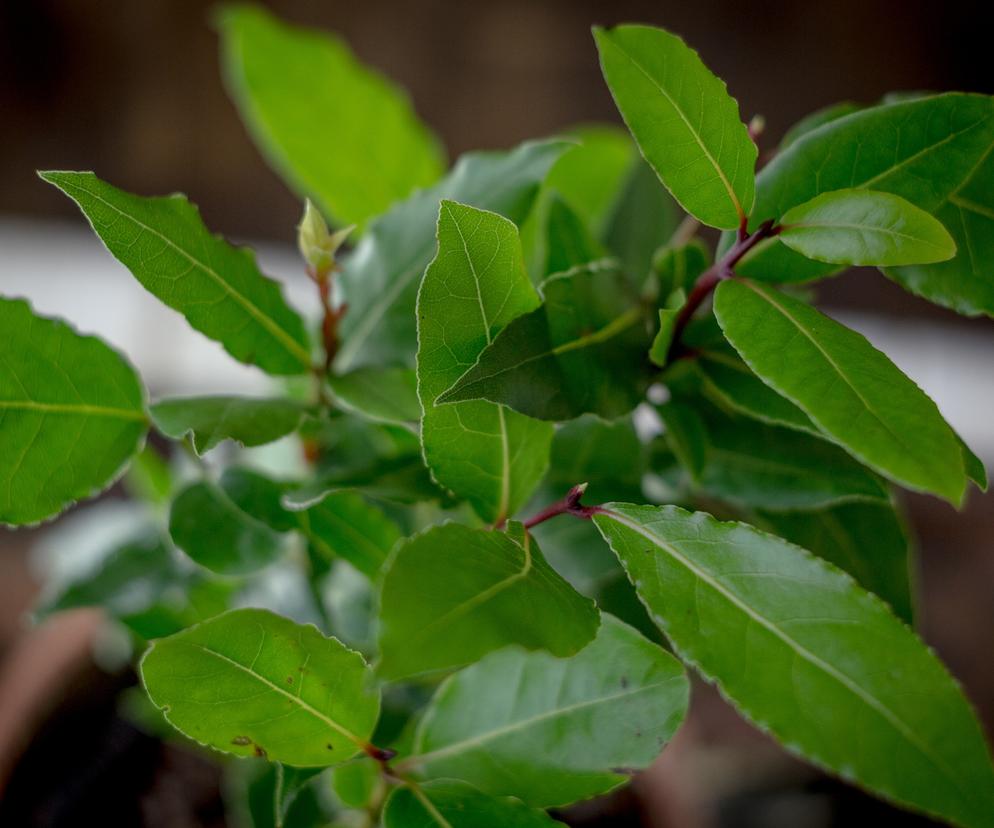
{"x":132,"y":91}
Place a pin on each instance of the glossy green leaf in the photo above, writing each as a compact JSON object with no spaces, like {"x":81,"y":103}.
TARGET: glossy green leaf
{"x":848,"y":388}
{"x":750,"y":463}
{"x":583,"y":350}
{"x":210,"y":420}
{"x":217,"y":287}
{"x":809,"y":656}
{"x":576,"y":550}
{"x":452,"y":594}
{"x":677,"y":268}
{"x":334,"y":129}
{"x":380,"y":279}
{"x":477,"y":284}
{"x":252,"y":683}
{"x":446,"y":803}
{"x":207,"y":524}
{"x":818,"y":118}
{"x":71,"y":415}
{"x":563,"y":729}
{"x":668,"y":316}
{"x":606,"y":455}
{"x":569,"y":243}
{"x":865,"y":227}
{"x":259,"y":496}
{"x":933,"y":151}
{"x":686,"y":435}
{"x":865,"y":539}
{"x":974,"y":466}
{"x":388,"y":395}
{"x":644,"y":217}
{"x":684,"y":121}
{"x":728,"y":380}
{"x":590,"y":175}
{"x":343,"y":524}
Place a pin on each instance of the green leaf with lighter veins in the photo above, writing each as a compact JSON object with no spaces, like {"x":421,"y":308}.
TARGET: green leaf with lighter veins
{"x":453,"y":594}
{"x":210,"y":525}
{"x":866,"y":539}
{"x":684,"y":121}
{"x":217,"y":287}
{"x":380,"y":278}
{"x":343,"y":524}
{"x":71,"y":415}
{"x":583,"y":350}
{"x":386,"y":395}
{"x":252,"y":683}
{"x":808,"y":655}
{"x":210,"y":420}
{"x":447,"y":803}
{"x":865,"y":227}
{"x":553,"y":730}
{"x":936,"y":152}
{"x":338,"y":131}
{"x":483,"y":452}
{"x":848,"y":388}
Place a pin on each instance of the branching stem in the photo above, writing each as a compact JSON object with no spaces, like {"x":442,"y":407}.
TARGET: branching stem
{"x":568,"y":505}
{"x":722,"y":269}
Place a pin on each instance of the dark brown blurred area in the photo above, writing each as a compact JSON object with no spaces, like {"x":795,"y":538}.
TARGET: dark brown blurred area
{"x":132,"y":90}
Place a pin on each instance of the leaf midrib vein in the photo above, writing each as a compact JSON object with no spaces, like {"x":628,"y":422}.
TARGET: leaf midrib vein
{"x":348,"y":734}
{"x":288,"y":342}
{"x":721,"y":173}
{"x":869,"y":699}
{"x":72,"y":408}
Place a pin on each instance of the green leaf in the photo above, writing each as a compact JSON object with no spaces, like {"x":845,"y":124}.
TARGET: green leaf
{"x":381,"y":277}
{"x":818,"y":118}
{"x":210,"y":420}
{"x":207,"y":524}
{"x":217,"y":287}
{"x":334,"y":129}
{"x":607,"y":455}
{"x":387,"y":395}
{"x":643,"y":218}
{"x":474,"y":287}
{"x":865,"y":227}
{"x":866,"y":539}
{"x":933,"y":151}
{"x":71,"y":415}
{"x":452,"y":594}
{"x":575,"y":549}
{"x":728,"y":380}
{"x":809,"y":656}
{"x":149,"y":477}
{"x":848,"y":388}
{"x":974,"y":466}
{"x":259,"y":496}
{"x":343,"y":524}
{"x":569,"y":243}
{"x":750,"y":463}
{"x":684,"y":121}
{"x":668,"y":316}
{"x":590,"y":175}
{"x":563,"y":729}
{"x":686,"y":436}
{"x":677,"y":268}
{"x":445,"y":803}
{"x":583,"y":350}
{"x":252,"y":683}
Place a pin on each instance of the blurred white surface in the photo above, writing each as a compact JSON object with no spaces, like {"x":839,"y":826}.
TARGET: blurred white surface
{"x":65,"y":271}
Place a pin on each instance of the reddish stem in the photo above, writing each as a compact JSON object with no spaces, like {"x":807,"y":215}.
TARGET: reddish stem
{"x":568,"y":505}
{"x":721,"y":270}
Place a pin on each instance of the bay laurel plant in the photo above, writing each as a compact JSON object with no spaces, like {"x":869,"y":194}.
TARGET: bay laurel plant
{"x":520,"y":381}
